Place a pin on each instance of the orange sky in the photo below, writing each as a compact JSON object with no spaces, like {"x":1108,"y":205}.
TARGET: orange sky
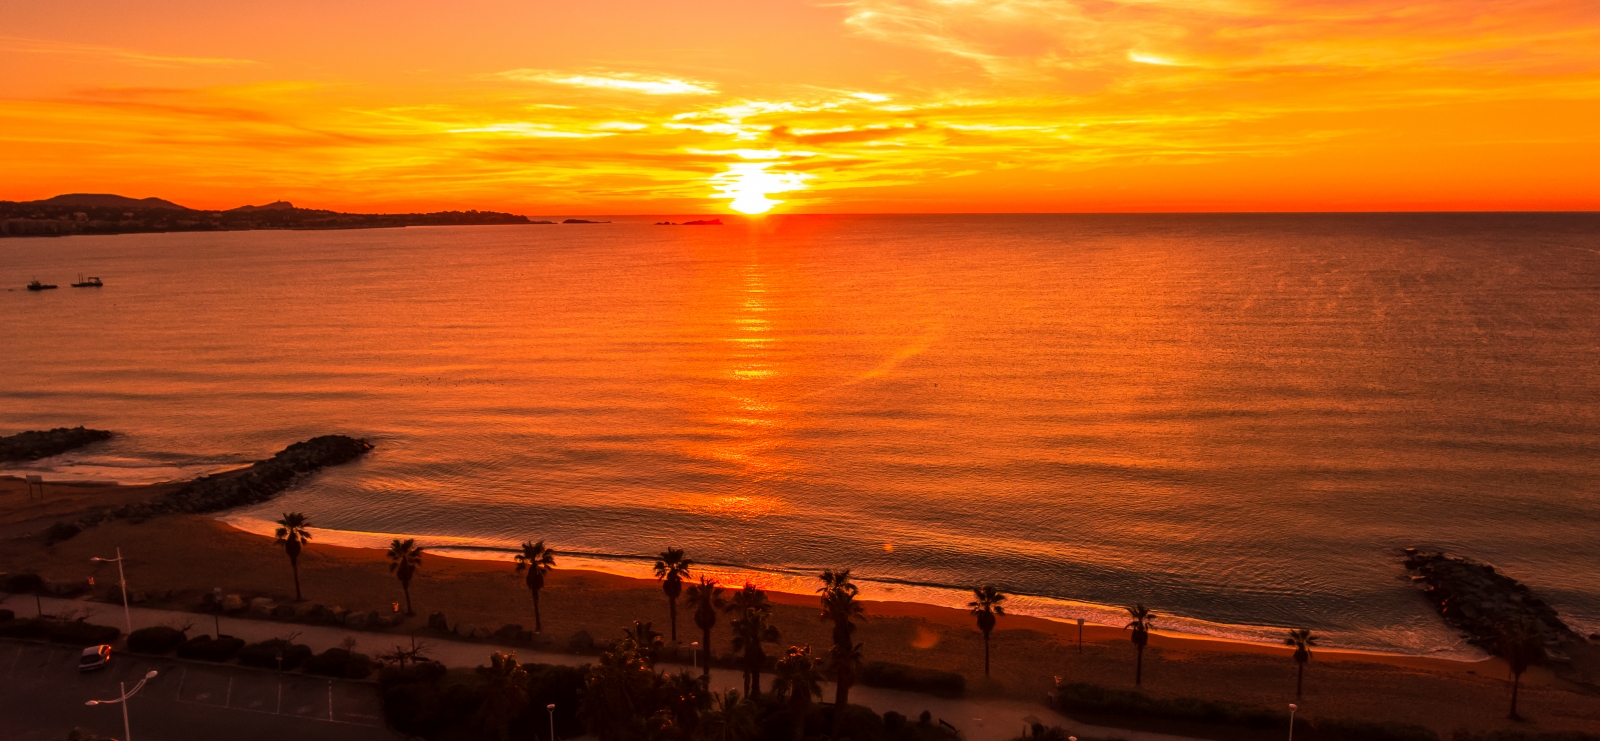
{"x":672,"y":106}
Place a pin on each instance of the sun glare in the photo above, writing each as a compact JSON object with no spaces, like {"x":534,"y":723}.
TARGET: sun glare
{"x":749,"y":184}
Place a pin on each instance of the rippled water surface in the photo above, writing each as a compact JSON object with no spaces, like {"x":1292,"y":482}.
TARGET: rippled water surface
{"x":1233,"y":418}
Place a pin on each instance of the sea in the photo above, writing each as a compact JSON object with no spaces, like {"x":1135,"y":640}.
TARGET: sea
{"x":1236,"y":420}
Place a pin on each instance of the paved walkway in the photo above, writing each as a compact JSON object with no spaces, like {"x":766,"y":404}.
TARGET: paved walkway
{"x":985,"y":719}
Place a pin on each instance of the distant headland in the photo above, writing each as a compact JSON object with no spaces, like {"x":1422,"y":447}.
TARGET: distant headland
{"x":99,"y":213}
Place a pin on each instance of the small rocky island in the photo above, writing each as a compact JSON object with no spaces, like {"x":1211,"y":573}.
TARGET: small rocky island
{"x":35,"y":444}
{"x":1477,"y":600}
{"x":696,"y":222}
{"x":103,"y":213}
{"x":254,"y":484}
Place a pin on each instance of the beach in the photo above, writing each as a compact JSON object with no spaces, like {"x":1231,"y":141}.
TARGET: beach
{"x":191,"y":555}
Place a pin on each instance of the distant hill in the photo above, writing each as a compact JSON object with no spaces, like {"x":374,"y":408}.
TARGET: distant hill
{"x":104,"y":200}
{"x":98,"y":213}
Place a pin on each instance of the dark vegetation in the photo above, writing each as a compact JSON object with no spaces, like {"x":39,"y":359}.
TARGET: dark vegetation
{"x":35,"y":444}
{"x":108,"y":214}
{"x":75,"y":632}
{"x":277,"y":653}
{"x":1102,"y":705}
{"x":158,"y":639}
{"x":902,"y":677}
{"x":206,"y":648}
{"x":340,"y":662}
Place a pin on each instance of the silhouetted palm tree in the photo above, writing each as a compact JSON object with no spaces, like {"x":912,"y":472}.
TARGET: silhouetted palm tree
{"x":840,"y":608}
{"x":749,"y":598}
{"x":1521,"y":644}
{"x":671,"y":569}
{"x":507,"y":693}
{"x":707,"y":600}
{"x":293,"y":531}
{"x":688,"y":698}
{"x":1302,"y":640}
{"x":750,"y":630}
{"x":986,"y":605}
{"x":404,"y":559}
{"x":731,"y":718}
{"x":535,"y":560}
{"x":646,"y":642}
{"x":797,"y":678}
{"x":1143,"y":621}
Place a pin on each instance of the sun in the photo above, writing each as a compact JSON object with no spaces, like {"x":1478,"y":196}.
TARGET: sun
{"x":749,"y":183}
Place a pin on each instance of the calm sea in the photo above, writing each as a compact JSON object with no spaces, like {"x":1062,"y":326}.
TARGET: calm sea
{"x":1234,"y":419}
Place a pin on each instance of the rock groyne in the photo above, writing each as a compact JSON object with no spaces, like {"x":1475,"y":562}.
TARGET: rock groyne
{"x":35,"y":444}
{"x":1477,"y":600}
{"x":257,"y":483}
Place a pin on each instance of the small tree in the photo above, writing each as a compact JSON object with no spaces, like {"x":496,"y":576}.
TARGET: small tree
{"x":404,"y":560}
{"x":707,"y":600}
{"x":797,"y":678}
{"x":1143,"y":621}
{"x":671,"y":568}
{"x":292,"y":533}
{"x":1521,"y":644}
{"x":506,"y":693}
{"x":985,"y":605}
{"x":535,"y":561}
{"x":1302,"y":640}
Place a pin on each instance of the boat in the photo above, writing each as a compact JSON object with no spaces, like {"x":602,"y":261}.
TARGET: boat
{"x":90,"y":282}
{"x":37,"y":286}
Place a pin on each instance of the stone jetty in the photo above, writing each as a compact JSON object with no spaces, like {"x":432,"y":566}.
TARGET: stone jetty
{"x":35,"y":444}
{"x":257,"y":483}
{"x":1477,"y":600}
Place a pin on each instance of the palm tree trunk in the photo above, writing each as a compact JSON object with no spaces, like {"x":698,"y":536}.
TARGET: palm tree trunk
{"x":538,"y":625}
{"x":705,"y":646}
{"x":672,"y":610}
{"x":1516,"y":681}
{"x":1299,"y":679}
{"x":407,"y":589}
{"x":1138,"y":669}
{"x":295,"y":566}
{"x":841,"y":700}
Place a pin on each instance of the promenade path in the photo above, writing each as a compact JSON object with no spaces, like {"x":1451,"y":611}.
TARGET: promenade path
{"x":979,"y":719}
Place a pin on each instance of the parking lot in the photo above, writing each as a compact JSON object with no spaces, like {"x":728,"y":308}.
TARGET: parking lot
{"x":45,"y":694}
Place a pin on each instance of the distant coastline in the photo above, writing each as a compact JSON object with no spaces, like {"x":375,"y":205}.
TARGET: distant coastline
{"x":91,"y":213}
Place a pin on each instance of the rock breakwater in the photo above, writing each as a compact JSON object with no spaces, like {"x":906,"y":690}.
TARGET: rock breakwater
{"x":35,"y":444}
{"x":257,"y":483}
{"x":1479,"y":601}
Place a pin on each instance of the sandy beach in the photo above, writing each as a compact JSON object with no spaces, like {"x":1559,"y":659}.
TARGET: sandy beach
{"x":193,"y":554}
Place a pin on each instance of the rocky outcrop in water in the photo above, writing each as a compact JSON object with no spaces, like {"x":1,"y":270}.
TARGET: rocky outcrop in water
{"x":258,"y":483}
{"x":1477,"y":600}
{"x":35,"y":444}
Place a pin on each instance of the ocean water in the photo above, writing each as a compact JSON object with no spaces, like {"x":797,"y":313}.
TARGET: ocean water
{"x":1234,"y":419}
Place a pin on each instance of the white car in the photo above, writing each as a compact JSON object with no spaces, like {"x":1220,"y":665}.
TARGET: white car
{"x":94,"y":657}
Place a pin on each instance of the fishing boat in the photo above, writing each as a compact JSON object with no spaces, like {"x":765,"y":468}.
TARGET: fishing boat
{"x":90,"y":282}
{"x":37,"y":286}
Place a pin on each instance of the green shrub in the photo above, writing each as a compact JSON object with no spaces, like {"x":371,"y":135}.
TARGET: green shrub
{"x":23,"y":583}
{"x":337,"y":662}
{"x":265,"y":654}
{"x":207,"y":648}
{"x":1344,"y":729}
{"x":25,"y":628}
{"x":1089,"y":698}
{"x":902,"y":677}
{"x":159,"y":639}
{"x":6,"y":615}
{"x":81,"y":633}
{"x":1524,"y":736}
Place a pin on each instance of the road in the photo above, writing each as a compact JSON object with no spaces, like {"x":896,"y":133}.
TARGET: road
{"x":45,"y":694}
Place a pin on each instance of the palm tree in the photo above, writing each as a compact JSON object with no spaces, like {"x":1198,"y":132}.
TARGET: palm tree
{"x":507,"y":694}
{"x":839,"y":606}
{"x":293,"y":531}
{"x":749,"y":598}
{"x":798,"y":677}
{"x":687,"y":700}
{"x":1521,"y":644}
{"x":646,"y":642}
{"x":671,"y":569}
{"x":707,"y":600}
{"x":1302,"y":640}
{"x":535,"y":560}
{"x":750,"y":630}
{"x":1143,"y":621}
{"x":731,"y":718}
{"x":986,"y":605}
{"x":404,"y":559}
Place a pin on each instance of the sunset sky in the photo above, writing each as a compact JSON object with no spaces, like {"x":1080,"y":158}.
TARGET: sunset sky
{"x":666,"y":106}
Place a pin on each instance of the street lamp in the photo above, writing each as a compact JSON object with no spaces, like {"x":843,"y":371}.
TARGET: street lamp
{"x":127,"y":734}
{"x":694,"y":653}
{"x":1292,"y":707}
{"x":123,"y":579}
{"x":552,"y":708}
{"x":1080,"y":635}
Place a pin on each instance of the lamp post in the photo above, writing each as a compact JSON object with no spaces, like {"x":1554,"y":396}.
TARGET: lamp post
{"x":127,"y":734}
{"x":694,"y":653}
{"x":1080,"y":635}
{"x":552,"y":708}
{"x":1292,"y":708}
{"x":123,"y":580}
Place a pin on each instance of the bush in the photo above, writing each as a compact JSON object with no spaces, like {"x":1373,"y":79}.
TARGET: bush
{"x":1344,"y":729}
{"x":1524,"y":736}
{"x":1089,"y":698}
{"x":416,"y":702}
{"x":6,"y":615}
{"x":265,"y":654}
{"x":207,"y":648}
{"x":23,"y":583}
{"x":25,"y":628}
{"x":159,"y":639}
{"x":902,"y":677}
{"x":337,"y":662}
{"x":82,"y":633}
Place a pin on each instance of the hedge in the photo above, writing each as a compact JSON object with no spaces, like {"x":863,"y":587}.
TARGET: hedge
{"x":159,"y":639}
{"x":1080,"y":697}
{"x":337,"y":662}
{"x":25,"y":628}
{"x":902,"y":677}
{"x":207,"y":648}
{"x":265,"y":654}
{"x":82,"y":633}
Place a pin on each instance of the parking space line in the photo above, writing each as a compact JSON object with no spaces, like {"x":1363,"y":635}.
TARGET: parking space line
{"x":330,"y":696}
{"x":280,"y":697}
{"x":228,"y":701}
{"x":13,"y":670}
{"x":181,"y":678}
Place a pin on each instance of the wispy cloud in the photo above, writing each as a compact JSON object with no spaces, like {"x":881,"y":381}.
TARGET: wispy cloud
{"x":620,"y":81}
{"x":519,"y":128}
{"x":130,"y":56}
